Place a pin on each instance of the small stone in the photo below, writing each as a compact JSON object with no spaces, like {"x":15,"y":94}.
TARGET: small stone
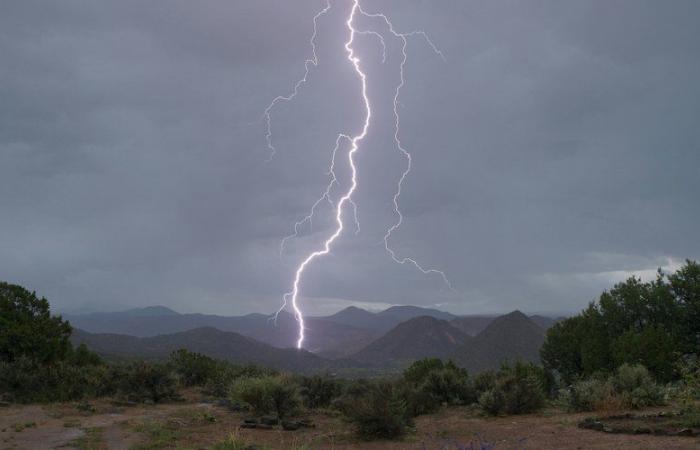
{"x":307,"y":423}
{"x":269,"y":420}
{"x":4,"y":404}
{"x":85,"y":407}
{"x":597,"y":426}
{"x":290,"y":426}
{"x":685,"y":432}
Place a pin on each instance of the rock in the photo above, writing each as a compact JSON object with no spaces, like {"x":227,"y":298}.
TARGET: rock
{"x":236,"y":407}
{"x":223,"y":402}
{"x":250,"y":420}
{"x":121,"y":402}
{"x":4,"y":404}
{"x":248,"y":425}
{"x":290,"y":426}
{"x":85,"y":407}
{"x":685,"y":432}
{"x":591,"y":424}
{"x":269,"y":420}
{"x":307,"y":423}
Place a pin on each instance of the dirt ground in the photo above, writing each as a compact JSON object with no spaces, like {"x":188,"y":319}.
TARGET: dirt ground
{"x":198,"y":425}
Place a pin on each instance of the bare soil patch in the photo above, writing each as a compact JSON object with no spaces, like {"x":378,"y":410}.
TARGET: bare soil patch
{"x":197,"y":425}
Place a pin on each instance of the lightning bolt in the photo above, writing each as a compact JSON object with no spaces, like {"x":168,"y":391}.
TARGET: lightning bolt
{"x":354,"y":141}
{"x":286,"y":98}
{"x":406,"y":154}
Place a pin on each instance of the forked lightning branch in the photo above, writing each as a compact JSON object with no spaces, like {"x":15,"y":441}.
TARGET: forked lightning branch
{"x":353,"y":142}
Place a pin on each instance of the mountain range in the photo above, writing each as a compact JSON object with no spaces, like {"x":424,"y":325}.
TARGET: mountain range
{"x":351,"y":337}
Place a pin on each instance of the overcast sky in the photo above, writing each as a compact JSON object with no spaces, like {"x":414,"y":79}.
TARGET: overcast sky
{"x":556,"y":151}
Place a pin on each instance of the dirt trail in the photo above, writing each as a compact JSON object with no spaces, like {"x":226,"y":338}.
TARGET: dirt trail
{"x":37,"y":427}
{"x":200,"y":425}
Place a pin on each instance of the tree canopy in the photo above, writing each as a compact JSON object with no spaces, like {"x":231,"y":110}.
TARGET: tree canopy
{"x":27,"y":328}
{"x":652,"y":323}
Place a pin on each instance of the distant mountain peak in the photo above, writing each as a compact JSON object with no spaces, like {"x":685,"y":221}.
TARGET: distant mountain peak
{"x":513,"y":336}
{"x":405,"y":312}
{"x":419,"y":337}
{"x":156,"y":310}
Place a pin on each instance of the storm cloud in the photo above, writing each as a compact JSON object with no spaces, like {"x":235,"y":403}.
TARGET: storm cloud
{"x":556,"y":151}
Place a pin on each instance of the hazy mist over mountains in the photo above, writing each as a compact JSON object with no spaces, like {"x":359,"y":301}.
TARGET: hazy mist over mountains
{"x":353,"y":337}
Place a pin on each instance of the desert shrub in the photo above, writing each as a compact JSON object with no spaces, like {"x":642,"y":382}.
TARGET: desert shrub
{"x":449,"y":386}
{"x":145,"y":381}
{"x":689,"y":370}
{"x":192,"y":369}
{"x":81,"y":356}
{"x":222,"y":378}
{"x":419,"y":370}
{"x":636,"y":386}
{"x":629,"y":387}
{"x":483,"y":381}
{"x":593,"y":394}
{"x":28,"y":380}
{"x":430,"y":382}
{"x":318,"y":391}
{"x":270,"y":394}
{"x":517,"y":390}
{"x":377,"y":410}
{"x":220,"y":381}
{"x":418,"y":401}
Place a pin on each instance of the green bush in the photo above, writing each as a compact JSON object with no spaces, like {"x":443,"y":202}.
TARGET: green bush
{"x":517,"y":390}
{"x":319,"y":391}
{"x":193,"y":369}
{"x":629,"y":387}
{"x":419,"y":370}
{"x":27,"y":328}
{"x":81,"y":356}
{"x":223,"y":377}
{"x":637,"y":387}
{"x":27,"y":380}
{"x":483,"y":382}
{"x":593,"y":394}
{"x":377,"y":410}
{"x":430,"y":383}
{"x":450,"y":387}
{"x":268,"y":394}
{"x":145,"y":381}
{"x":689,"y":371}
{"x":418,"y":401}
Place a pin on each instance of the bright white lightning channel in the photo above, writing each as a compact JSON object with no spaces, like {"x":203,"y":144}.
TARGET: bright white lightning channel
{"x":292,"y":296}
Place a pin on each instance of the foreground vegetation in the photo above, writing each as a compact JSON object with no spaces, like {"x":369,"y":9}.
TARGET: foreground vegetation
{"x":634,"y":348}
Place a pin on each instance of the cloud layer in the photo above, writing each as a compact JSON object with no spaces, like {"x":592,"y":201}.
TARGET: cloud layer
{"x":558,"y":142}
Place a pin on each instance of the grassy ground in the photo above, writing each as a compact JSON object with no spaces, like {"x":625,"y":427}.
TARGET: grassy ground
{"x":198,"y":425}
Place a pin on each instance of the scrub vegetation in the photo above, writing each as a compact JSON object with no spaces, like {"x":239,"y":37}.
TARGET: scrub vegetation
{"x":635,"y":348}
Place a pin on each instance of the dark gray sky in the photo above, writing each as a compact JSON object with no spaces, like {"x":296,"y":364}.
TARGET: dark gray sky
{"x":556,"y":151}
